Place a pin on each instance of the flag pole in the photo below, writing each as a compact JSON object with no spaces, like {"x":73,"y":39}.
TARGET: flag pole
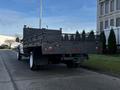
{"x":40,"y":21}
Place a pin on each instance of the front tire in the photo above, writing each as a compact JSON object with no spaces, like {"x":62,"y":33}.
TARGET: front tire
{"x":19,"y":56}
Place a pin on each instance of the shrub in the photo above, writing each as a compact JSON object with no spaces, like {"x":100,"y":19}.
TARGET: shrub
{"x":77,"y":36}
{"x":103,"y":42}
{"x":91,"y":35}
{"x":112,"y":47}
{"x":3,"y":46}
{"x":83,"y":35}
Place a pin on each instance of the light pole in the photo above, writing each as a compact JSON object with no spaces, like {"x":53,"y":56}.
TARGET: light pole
{"x":40,"y":20}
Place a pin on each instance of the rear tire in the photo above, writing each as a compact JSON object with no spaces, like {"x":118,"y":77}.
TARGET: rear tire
{"x":32,"y":64}
{"x":76,"y":65}
{"x":69,"y":65}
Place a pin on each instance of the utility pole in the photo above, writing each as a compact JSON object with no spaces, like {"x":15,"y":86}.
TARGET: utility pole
{"x":40,"y":20}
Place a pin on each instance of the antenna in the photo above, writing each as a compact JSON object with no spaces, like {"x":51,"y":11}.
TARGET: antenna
{"x":40,"y":21}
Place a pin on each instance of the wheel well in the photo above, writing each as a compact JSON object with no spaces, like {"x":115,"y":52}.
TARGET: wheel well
{"x":32,"y":49}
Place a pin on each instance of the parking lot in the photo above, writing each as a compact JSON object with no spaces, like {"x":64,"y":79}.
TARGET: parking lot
{"x":16,"y":75}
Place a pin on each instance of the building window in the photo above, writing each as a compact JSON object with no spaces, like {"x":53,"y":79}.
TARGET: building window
{"x":118,"y":22}
{"x":101,"y":26}
{"x":106,"y":6}
{"x":111,"y":5}
{"x":118,"y":4}
{"x":106,"y":24}
{"x":101,"y":8}
{"x":112,"y":22}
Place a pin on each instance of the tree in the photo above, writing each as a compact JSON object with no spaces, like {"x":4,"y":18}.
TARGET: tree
{"x":103,"y":42}
{"x":66,"y":37}
{"x":112,"y":47}
{"x":77,"y":36}
{"x":83,"y":35}
{"x":9,"y":42}
{"x":17,"y":39}
{"x":91,"y":35}
{"x":72,"y":37}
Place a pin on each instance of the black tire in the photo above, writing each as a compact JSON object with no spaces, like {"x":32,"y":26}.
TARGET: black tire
{"x":76,"y":65}
{"x":32,"y":64}
{"x":70,"y":65}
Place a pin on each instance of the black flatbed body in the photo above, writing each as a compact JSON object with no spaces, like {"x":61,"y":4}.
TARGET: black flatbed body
{"x":52,"y":42}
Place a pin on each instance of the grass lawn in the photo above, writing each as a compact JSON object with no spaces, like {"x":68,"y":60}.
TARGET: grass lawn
{"x":107,"y":63}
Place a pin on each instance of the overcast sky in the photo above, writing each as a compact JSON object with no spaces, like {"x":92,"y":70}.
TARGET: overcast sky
{"x":71,"y":15}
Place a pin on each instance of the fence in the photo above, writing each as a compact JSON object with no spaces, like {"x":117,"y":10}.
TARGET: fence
{"x":73,"y":37}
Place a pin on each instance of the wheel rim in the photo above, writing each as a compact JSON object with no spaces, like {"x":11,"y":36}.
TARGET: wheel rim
{"x":31,"y":60}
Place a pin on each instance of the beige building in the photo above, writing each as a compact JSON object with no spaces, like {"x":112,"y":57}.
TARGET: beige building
{"x":108,"y":14}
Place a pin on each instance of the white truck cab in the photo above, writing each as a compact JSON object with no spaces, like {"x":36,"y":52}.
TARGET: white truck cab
{"x":20,"y":51}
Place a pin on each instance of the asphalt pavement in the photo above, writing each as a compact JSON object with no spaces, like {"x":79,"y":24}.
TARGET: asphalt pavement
{"x":16,"y":75}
